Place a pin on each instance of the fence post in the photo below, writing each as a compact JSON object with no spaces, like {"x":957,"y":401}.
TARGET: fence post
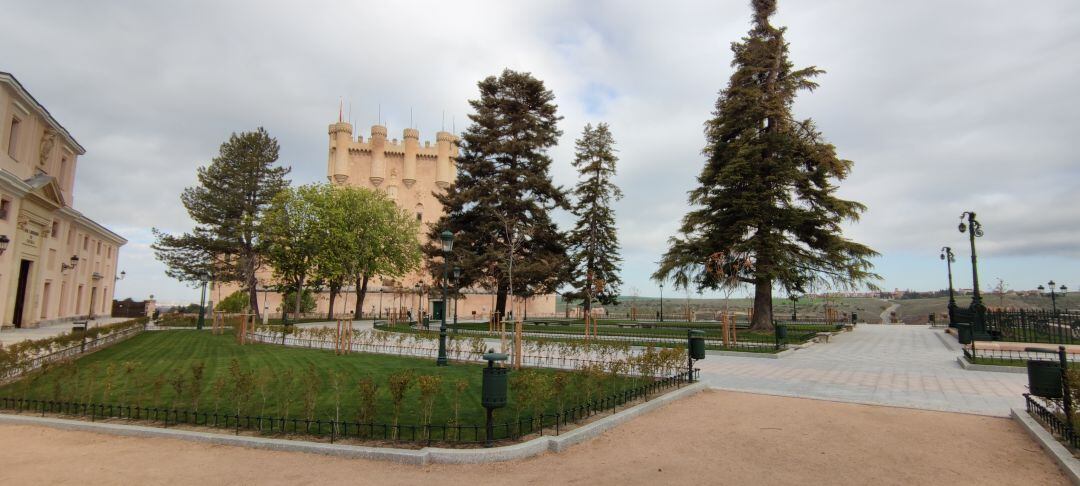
{"x":1066,"y":398}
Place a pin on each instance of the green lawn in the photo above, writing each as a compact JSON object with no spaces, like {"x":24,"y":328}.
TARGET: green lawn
{"x":144,"y":370}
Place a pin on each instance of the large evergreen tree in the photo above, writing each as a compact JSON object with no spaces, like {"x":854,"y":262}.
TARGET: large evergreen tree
{"x":498,"y":207}
{"x":765,"y":212}
{"x":594,"y":244}
{"x":227,"y":207}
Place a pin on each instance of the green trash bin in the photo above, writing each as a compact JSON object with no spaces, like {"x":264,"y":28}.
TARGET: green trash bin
{"x":781,"y":332}
{"x":697,"y":343}
{"x":1044,"y":378}
{"x":963,"y":332}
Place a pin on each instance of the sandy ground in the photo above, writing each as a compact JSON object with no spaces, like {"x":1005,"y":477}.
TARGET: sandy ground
{"x":712,"y":438}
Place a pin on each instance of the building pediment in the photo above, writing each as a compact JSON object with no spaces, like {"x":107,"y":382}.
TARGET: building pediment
{"x":45,"y":191}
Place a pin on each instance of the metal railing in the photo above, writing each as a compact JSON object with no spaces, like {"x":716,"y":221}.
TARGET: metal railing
{"x":1012,"y":357}
{"x":73,"y":351}
{"x":1034,"y":326}
{"x":1053,"y":421}
{"x":547,"y":423}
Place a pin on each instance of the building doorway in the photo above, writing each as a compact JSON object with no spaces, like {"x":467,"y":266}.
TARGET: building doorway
{"x":437,"y":309}
{"x":20,"y":292}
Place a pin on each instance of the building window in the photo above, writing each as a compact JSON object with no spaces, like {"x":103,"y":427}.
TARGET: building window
{"x":419,"y":212}
{"x":99,"y":248}
{"x":85,"y":242}
{"x":55,"y":230}
{"x":5,"y":208}
{"x":71,"y":236}
{"x":13,"y":137}
{"x":108,"y":251}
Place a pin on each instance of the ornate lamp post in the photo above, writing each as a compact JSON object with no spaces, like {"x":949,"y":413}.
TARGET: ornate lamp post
{"x":974,"y":230}
{"x":1053,"y":295}
{"x":416,"y":289}
{"x":661,"y":302}
{"x":447,"y":246}
{"x":457,"y":279}
{"x":794,"y":298}
{"x":947,"y":255}
{"x":202,"y":304}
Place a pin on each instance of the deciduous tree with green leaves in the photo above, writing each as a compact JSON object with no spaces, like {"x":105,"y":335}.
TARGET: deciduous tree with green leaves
{"x":227,"y":207}
{"x":499,"y":206}
{"x":594,"y":243}
{"x":294,"y":231}
{"x":368,"y":236}
{"x":765,"y":212}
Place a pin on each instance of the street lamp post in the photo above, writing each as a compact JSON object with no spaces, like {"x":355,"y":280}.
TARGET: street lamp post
{"x":974,"y":230}
{"x":416,"y":288}
{"x":447,"y":246}
{"x":1053,"y":294}
{"x":947,"y":255}
{"x":202,"y":307}
{"x":794,"y":315}
{"x":661,"y":302}
{"x":457,"y":279}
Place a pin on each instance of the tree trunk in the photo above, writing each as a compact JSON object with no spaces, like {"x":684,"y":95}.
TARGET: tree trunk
{"x":361,"y":292}
{"x":253,"y":289}
{"x":500,"y":299}
{"x":762,"y":320}
{"x":334,"y":289}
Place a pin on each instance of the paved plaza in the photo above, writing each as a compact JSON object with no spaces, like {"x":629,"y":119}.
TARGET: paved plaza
{"x":896,"y":365}
{"x":10,"y":335}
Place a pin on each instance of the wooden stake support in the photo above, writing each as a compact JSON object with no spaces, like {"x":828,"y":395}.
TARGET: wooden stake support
{"x":517,"y":344}
{"x":343,"y":344}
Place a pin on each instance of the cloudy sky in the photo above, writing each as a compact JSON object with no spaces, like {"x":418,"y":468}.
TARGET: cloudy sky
{"x":943,"y":106}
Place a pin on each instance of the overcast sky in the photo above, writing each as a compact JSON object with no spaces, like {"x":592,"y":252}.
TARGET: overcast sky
{"x":943,"y":106}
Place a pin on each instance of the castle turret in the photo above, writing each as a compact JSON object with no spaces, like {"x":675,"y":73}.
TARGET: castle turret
{"x":378,"y":155}
{"x":444,"y":145}
{"x":340,"y":138}
{"x":412,"y":146}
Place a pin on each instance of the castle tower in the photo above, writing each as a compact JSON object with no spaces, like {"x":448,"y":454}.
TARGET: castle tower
{"x":340,"y":138}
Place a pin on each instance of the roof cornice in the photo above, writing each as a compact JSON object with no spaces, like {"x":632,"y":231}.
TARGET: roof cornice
{"x":9,"y":79}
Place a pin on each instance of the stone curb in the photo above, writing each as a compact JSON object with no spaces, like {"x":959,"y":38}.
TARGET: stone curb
{"x":1061,"y":454}
{"x":746,"y":354}
{"x":994,"y":368}
{"x":952,"y":344}
{"x":427,"y":455}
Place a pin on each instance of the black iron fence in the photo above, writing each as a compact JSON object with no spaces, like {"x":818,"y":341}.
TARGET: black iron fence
{"x":1053,"y":420}
{"x":1034,"y":326}
{"x":512,"y":430}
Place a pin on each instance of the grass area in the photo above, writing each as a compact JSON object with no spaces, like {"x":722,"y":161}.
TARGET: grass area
{"x":156,"y":369}
{"x":675,"y":306}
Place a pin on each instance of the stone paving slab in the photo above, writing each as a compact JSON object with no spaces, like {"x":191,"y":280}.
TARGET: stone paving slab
{"x":903,"y":366}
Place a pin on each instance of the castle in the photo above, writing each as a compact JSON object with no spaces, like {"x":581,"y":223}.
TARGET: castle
{"x":410,"y":174}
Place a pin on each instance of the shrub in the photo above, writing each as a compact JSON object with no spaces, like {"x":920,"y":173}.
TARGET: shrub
{"x":235,"y":302}
{"x":399,"y":383}
{"x":367,"y":393}
{"x":429,"y":387}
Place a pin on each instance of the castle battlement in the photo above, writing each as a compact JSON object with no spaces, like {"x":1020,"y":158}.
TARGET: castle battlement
{"x":359,"y":162}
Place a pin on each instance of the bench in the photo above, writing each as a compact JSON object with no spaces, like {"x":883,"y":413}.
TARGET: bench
{"x":625,"y":325}
{"x":822,"y":336}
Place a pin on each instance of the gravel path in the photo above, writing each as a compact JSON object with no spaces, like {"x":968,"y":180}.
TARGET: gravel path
{"x":713,"y":437}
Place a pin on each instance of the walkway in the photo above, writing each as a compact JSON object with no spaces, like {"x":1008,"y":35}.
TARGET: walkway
{"x":904,"y":366}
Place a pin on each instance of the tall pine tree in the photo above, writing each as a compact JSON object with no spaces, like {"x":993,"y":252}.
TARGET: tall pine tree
{"x":765,"y":212}
{"x":594,"y":244}
{"x":227,"y":206}
{"x":499,"y":206}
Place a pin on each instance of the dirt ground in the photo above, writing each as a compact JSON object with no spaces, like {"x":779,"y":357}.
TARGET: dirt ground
{"x":712,"y":438}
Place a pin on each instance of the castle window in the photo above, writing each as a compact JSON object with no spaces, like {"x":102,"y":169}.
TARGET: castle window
{"x":13,"y":137}
{"x":419,"y":212}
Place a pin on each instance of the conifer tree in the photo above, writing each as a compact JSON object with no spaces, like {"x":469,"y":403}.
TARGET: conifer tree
{"x":594,"y":244}
{"x":499,"y":206}
{"x":227,"y":206}
{"x":765,"y":212}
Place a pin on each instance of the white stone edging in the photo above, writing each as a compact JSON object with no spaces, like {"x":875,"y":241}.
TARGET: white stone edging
{"x":426,"y":455}
{"x":1061,"y":454}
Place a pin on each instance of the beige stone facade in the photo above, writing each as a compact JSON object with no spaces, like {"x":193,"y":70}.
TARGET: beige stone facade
{"x":45,"y":234}
{"x":410,"y":172}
